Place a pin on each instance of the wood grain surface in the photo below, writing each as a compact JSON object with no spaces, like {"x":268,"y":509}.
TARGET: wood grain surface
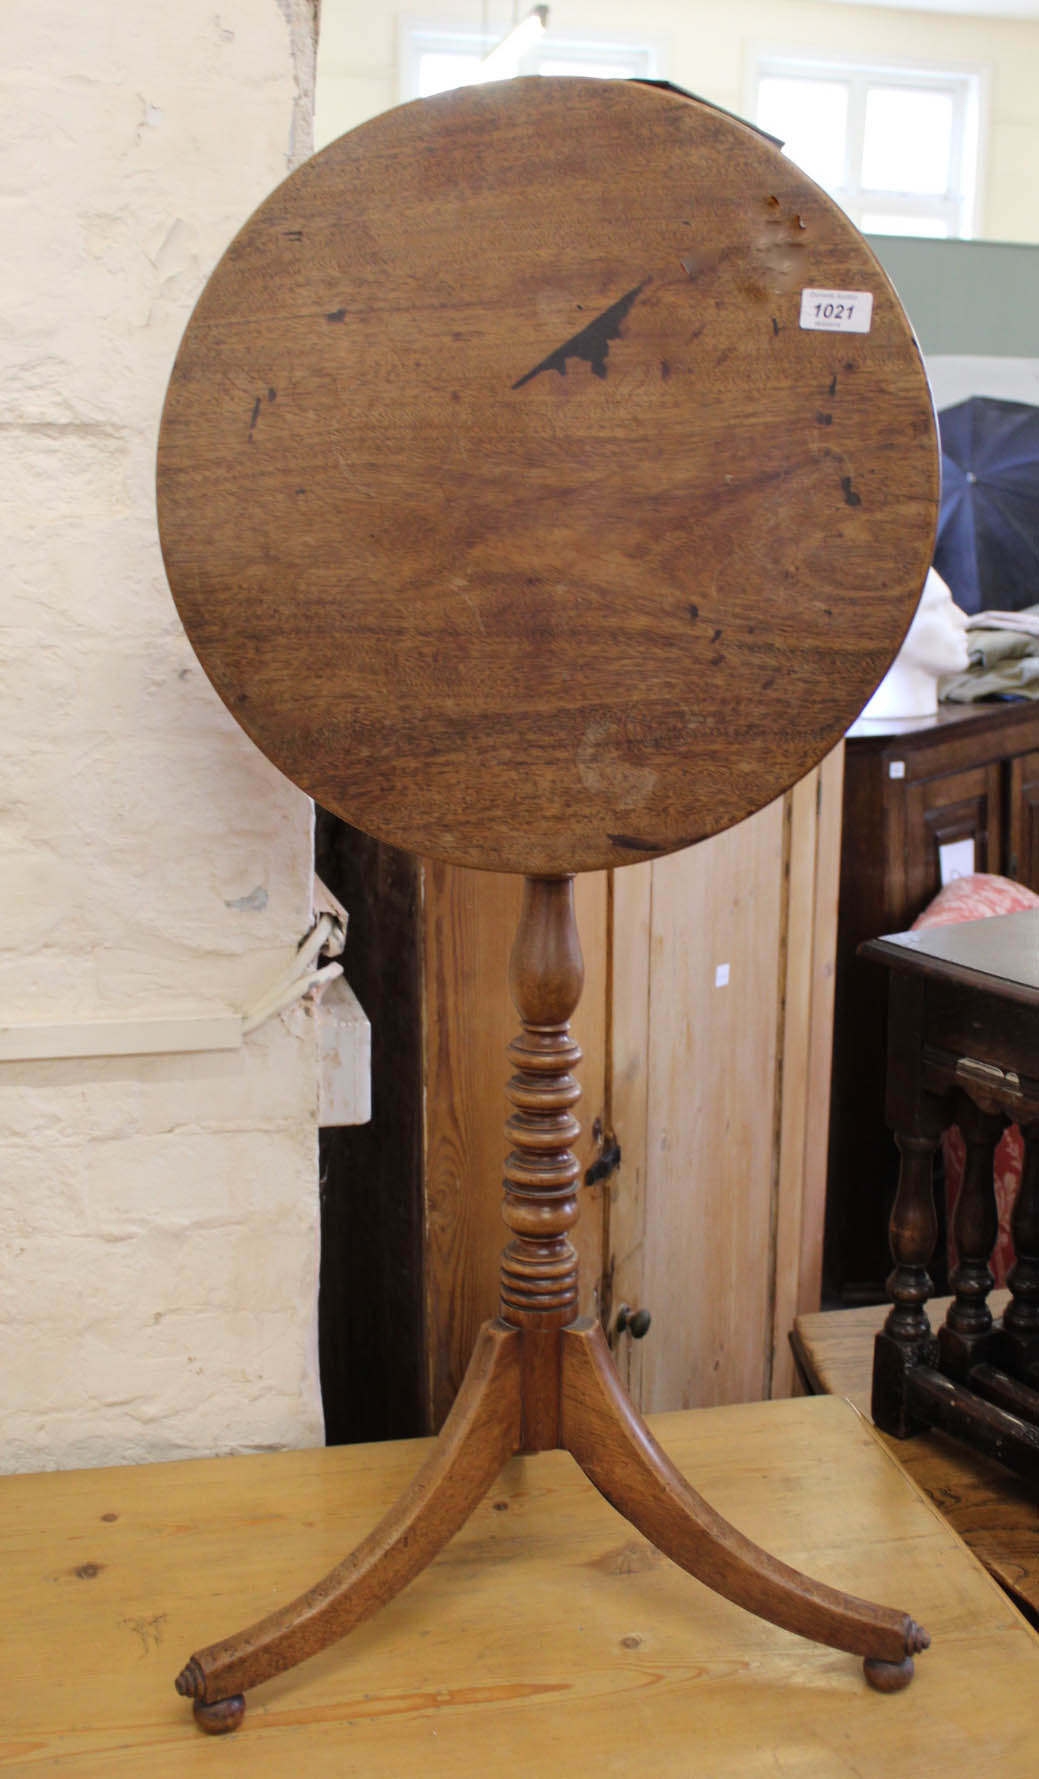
{"x":617,"y":1452}
{"x":713,"y":1146}
{"x":995,"y":1512}
{"x":505,"y":500}
{"x":547,"y":1627}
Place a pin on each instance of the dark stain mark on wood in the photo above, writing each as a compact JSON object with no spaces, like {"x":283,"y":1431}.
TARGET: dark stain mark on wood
{"x":770,"y":681}
{"x":299,"y":491}
{"x":775,"y":325}
{"x":592,"y":344}
{"x":150,"y":1631}
{"x":272,"y":395}
{"x":717,"y":634}
{"x":716,"y":660}
{"x":851,"y":499}
{"x":634,"y":843}
{"x":772,"y":202}
{"x":694,"y":611}
{"x":832,"y":391}
{"x":501,"y":1507}
{"x":87,"y":1571}
{"x":628,"y":1559}
{"x":257,"y":404}
{"x":336,"y":315}
{"x":822,"y":419}
{"x":109,"y":1517}
{"x":293,"y":234}
{"x":665,"y":369}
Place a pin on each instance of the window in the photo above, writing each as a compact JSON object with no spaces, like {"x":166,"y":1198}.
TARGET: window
{"x":896,"y":146}
{"x":434,"y":57}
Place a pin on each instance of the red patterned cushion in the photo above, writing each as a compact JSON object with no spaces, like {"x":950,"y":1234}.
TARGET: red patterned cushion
{"x":975,"y":897}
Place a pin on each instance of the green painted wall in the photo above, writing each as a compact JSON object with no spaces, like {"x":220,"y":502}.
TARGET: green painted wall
{"x":977,"y":297}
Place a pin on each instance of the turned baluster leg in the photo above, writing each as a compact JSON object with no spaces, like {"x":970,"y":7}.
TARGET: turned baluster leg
{"x":539,"y":1265}
{"x":906,"y":1338}
{"x":1021,"y":1316}
{"x":975,"y":1227}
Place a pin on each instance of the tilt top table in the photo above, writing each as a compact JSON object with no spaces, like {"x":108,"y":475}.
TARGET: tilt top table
{"x":546,"y":477}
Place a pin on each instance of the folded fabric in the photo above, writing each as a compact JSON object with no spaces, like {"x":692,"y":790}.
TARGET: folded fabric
{"x":1026,"y":620}
{"x":1003,"y":656}
{"x":987,"y":648}
{"x":1012,"y":678}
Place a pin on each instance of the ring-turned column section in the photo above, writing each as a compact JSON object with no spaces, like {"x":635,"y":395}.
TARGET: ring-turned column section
{"x":539,"y":1265}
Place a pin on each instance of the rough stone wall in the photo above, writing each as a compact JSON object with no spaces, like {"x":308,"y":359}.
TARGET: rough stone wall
{"x":158,"y":1214}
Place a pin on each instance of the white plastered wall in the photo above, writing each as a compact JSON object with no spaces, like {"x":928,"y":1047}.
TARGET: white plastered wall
{"x":158,"y":1214}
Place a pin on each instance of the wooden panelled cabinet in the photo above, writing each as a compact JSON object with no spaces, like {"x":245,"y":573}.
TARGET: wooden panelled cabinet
{"x":1023,"y":818}
{"x":705,"y":1024}
{"x":969,"y":774}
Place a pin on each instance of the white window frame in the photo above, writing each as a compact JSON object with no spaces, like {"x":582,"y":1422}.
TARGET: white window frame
{"x":958,"y":207}
{"x":417,"y":36}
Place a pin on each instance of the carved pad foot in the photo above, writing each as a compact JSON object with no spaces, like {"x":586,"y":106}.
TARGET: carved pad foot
{"x":891,"y":1677}
{"x":888,"y":1677}
{"x":224,"y":1715}
{"x":218,"y":1718}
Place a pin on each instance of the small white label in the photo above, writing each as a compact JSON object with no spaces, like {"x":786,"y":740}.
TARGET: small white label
{"x":956,"y":859}
{"x":837,"y":311}
{"x":897,"y":769}
{"x":721,"y":976}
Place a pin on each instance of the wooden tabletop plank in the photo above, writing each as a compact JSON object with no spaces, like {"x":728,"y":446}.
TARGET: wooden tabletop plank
{"x":547,"y":1627}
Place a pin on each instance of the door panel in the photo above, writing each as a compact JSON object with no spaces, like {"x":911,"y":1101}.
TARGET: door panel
{"x":714,"y":992}
{"x":959,"y":806}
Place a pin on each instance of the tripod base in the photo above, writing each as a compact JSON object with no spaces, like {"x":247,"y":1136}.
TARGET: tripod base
{"x":608,"y":1438}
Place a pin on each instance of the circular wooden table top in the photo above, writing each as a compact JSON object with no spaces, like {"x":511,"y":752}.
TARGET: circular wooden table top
{"x":517,"y":500}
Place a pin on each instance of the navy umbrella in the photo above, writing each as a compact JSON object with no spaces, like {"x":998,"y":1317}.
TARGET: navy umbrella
{"x":988,"y":529}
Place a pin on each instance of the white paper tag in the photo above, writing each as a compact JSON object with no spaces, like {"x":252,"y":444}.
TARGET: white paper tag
{"x":956,"y":859}
{"x":837,"y":311}
{"x":721,"y":976}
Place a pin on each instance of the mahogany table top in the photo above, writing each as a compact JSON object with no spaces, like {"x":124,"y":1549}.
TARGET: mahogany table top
{"x":547,"y":1637}
{"x":517,"y":494}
